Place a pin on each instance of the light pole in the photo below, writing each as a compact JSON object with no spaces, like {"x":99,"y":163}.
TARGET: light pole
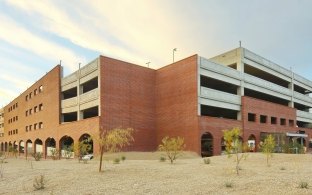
{"x":174,"y":50}
{"x":147,"y":64}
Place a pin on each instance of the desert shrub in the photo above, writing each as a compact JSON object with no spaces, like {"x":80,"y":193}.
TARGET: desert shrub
{"x":162,"y":159}
{"x":37,"y":156}
{"x":303,"y":184}
{"x":68,"y":151}
{"x":207,"y":160}
{"x":235,"y":146}
{"x":292,"y":148}
{"x":55,"y":153}
{"x":123,"y":158}
{"x":82,"y":148}
{"x":229,"y":184}
{"x":173,"y":147}
{"x":116,"y":161}
{"x":39,"y":182}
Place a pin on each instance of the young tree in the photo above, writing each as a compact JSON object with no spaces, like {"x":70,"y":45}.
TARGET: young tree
{"x":234,"y":145}
{"x":81,"y":148}
{"x":268,"y":147}
{"x":113,"y":141}
{"x":172,"y":146}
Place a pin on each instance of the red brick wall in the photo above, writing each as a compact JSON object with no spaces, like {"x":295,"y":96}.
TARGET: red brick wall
{"x":215,"y":127}
{"x":176,"y":102}
{"x":128,"y":100}
{"x":49,"y":116}
{"x":261,"y":107}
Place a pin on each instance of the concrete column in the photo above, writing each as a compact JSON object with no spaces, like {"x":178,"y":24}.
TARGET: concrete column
{"x":291,"y":87}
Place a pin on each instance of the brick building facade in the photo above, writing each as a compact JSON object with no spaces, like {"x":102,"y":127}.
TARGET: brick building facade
{"x":194,"y":98}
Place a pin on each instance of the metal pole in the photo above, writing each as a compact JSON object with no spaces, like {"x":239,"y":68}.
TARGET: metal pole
{"x":174,"y":50}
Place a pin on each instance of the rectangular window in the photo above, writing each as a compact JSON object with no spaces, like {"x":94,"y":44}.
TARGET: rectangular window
{"x":16,"y":105}
{"x":30,"y":95}
{"x":40,"y":107}
{"x":26,"y":112}
{"x":291,"y":123}
{"x":16,"y":131}
{"x":26,"y":98}
{"x":35,"y":126}
{"x":36,"y":92}
{"x":30,"y":110}
{"x":26,"y":128}
{"x":40,"y":125}
{"x":29,"y":127}
{"x":283,"y":121}
{"x":273,"y":120}
{"x":251,"y":117}
{"x":16,"y":118}
{"x":35,"y":109}
{"x":40,"y":89}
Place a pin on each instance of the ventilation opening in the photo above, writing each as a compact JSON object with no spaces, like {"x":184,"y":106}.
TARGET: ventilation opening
{"x":265,"y":76}
{"x":217,"y":85}
{"x":265,"y":97}
{"x":90,"y":85}
{"x":69,"y":117}
{"x":90,"y":112}
{"x":218,"y":112}
{"x":70,"y":93}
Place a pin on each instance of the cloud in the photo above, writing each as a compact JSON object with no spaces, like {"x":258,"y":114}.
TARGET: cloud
{"x":12,"y":33}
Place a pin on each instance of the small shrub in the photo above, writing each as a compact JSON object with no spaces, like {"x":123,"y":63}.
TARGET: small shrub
{"x":37,"y":156}
{"x":123,"y":158}
{"x":116,"y":161}
{"x":206,"y":160}
{"x":229,"y":184}
{"x":55,"y":153}
{"x":303,"y":184}
{"x":39,"y":182}
{"x":162,"y":159}
{"x":282,"y":168}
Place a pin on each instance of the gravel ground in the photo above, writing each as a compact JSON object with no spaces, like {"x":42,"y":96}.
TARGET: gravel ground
{"x":138,"y":176}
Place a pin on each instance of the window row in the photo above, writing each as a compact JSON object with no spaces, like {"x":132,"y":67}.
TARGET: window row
{"x":36,"y":91}
{"x":35,"y":126}
{"x":34,"y":110}
{"x":13,"y":107}
{"x":11,"y":120}
{"x":13,"y":132}
{"x":274,"y":120}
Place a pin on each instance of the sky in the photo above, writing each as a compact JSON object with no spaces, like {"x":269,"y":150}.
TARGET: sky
{"x":36,"y":35}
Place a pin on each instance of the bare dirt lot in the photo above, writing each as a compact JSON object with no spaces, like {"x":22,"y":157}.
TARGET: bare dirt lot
{"x":138,"y":176}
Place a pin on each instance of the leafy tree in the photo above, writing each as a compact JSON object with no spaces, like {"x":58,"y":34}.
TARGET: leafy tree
{"x":268,"y":147}
{"x":172,"y":146}
{"x":113,"y":141}
{"x":233,"y":145}
{"x":82,"y":148}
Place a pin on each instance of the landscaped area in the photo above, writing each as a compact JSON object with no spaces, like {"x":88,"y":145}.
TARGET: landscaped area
{"x":143,"y":173}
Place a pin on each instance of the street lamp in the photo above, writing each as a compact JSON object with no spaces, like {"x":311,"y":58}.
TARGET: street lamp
{"x":174,"y":50}
{"x":147,"y":64}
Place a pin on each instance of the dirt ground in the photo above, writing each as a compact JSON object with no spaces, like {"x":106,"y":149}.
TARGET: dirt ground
{"x":143,"y":173}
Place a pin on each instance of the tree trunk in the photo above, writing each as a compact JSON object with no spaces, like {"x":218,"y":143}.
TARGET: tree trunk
{"x":101,"y":157}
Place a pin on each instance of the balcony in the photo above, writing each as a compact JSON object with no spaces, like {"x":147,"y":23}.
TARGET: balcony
{"x":263,"y":86}
{"x":69,"y":102}
{"x":219,"y":95}
{"x":220,"y":69}
{"x":89,"y":96}
{"x":304,"y":116}
{"x":302,"y":97}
